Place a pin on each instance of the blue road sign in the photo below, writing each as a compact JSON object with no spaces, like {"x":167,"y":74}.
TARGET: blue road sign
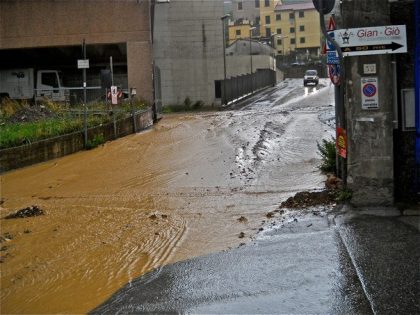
{"x":332,"y":58}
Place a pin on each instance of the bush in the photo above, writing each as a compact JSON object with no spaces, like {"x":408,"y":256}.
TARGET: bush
{"x":97,"y":140}
{"x":328,"y":154}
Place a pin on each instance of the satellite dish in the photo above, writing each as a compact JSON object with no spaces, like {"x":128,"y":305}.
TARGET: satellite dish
{"x":327,"y":5}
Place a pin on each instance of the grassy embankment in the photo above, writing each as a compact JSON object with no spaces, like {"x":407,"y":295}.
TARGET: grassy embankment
{"x":22,"y":123}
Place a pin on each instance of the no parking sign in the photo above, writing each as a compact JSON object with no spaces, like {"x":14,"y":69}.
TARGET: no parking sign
{"x":370,"y":99}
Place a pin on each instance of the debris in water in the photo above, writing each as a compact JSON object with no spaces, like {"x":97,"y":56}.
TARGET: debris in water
{"x":269,"y":215}
{"x":153,"y":217}
{"x":308,"y":199}
{"x":242,"y":219}
{"x":32,"y":211}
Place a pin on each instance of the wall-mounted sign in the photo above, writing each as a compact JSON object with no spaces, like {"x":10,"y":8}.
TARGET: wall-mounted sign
{"x":389,"y":39}
{"x":83,"y":64}
{"x":369,"y":68}
{"x":370,"y":98}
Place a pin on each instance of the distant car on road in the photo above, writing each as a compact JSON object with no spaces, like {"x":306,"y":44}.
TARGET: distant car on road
{"x":311,"y":78}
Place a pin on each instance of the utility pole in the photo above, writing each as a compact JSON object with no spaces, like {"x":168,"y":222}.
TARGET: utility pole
{"x":370,"y":130}
{"x":84,"y":95}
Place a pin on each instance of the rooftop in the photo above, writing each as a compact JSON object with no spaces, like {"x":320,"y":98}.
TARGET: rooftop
{"x":295,"y":6}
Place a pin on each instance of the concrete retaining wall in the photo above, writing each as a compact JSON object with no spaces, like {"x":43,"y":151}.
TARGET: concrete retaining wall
{"x":44,"y":150}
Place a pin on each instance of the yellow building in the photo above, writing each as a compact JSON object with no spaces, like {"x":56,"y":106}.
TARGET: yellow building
{"x":238,"y":31}
{"x":267,"y":17}
{"x":297,"y":28}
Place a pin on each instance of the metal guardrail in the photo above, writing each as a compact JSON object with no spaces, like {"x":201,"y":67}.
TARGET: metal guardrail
{"x":239,"y":86}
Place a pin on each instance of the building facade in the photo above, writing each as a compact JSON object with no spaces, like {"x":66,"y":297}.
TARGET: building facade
{"x":239,"y":31}
{"x":298,"y":29}
{"x":188,"y":50}
{"x":248,"y":10}
{"x":267,"y":17}
{"x":49,"y":34}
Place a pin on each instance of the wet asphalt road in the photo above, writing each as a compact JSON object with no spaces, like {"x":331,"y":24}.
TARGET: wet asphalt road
{"x":298,"y":266}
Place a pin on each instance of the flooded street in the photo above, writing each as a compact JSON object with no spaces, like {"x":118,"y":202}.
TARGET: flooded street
{"x":168,"y":194}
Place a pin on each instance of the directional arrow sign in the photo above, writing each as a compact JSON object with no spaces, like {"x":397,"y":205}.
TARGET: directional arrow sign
{"x":372,"y":40}
{"x":387,"y":47}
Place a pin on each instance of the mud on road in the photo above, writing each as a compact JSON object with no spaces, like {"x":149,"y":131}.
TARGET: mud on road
{"x":193,"y":184}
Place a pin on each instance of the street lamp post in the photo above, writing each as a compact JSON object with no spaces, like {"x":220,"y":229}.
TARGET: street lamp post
{"x":223,"y":18}
{"x":152,"y":5}
{"x":250,"y":54}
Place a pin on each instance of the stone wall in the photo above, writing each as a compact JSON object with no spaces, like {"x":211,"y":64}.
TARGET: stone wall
{"x":44,"y":150}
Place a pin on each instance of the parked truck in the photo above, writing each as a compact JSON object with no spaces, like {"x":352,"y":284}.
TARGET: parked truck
{"x":28,"y":84}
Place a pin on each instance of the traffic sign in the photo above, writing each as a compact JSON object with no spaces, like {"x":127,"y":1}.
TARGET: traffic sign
{"x":372,"y":40}
{"x":332,"y":58}
{"x":334,"y":73}
{"x":369,"y":87}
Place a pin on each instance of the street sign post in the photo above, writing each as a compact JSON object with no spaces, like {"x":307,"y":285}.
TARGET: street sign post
{"x":334,"y":73}
{"x":379,"y":40}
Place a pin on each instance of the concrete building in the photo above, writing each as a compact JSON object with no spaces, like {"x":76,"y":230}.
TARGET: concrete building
{"x":188,"y":50}
{"x":49,"y":34}
{"x":239,"y":55}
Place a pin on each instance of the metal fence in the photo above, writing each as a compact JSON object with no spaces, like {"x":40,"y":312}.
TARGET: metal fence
{"x":236,"y":87}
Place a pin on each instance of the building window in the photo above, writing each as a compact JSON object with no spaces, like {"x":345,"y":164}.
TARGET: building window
{"x":279,"y":51}
{"x":292,"y":41}
{"x":267,"y":19}
{"x":292,"y":30}
{"x":257,"y":3}
{"x":302,"y":40}
{"x":279,"y":42}
{"x":302,"y":28}
{"x":267,"y":32}
{"x":278,"y":31}
{"x":238,"y":32}
{"x":278,"y":17}
{"x":257,"y":20}
{"x":301,"y":14}
{"x":267,"y":3}
{"x":291,"y":15}
{"x":240,"y":5}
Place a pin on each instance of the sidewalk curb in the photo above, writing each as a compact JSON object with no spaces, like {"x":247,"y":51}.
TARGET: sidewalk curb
{"x":382,"y":249}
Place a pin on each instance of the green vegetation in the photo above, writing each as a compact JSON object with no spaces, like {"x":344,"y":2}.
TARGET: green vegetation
{"x":328,"y":154}
{"x":22,"y":123}
{"x":344,"y":195}
{"x":96,"y":141}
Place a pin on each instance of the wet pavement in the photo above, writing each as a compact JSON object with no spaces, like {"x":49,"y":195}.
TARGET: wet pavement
{"x":297,"y":267}
{"x":334,"y":262}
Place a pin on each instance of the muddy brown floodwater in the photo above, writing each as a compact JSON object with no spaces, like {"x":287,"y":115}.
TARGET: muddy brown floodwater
{"x":174,"y":192}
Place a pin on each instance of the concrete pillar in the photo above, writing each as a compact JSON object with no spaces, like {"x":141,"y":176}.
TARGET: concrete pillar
{"x":370,"y":132}
{"x":139,"y":64}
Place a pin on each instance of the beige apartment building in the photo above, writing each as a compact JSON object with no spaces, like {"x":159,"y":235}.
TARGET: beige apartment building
{"x":49,"y":34}
{"x":291,"y":27}
{"x":239,"y":31}
{"x":267,"y":17}
{"x":297,"y":29}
